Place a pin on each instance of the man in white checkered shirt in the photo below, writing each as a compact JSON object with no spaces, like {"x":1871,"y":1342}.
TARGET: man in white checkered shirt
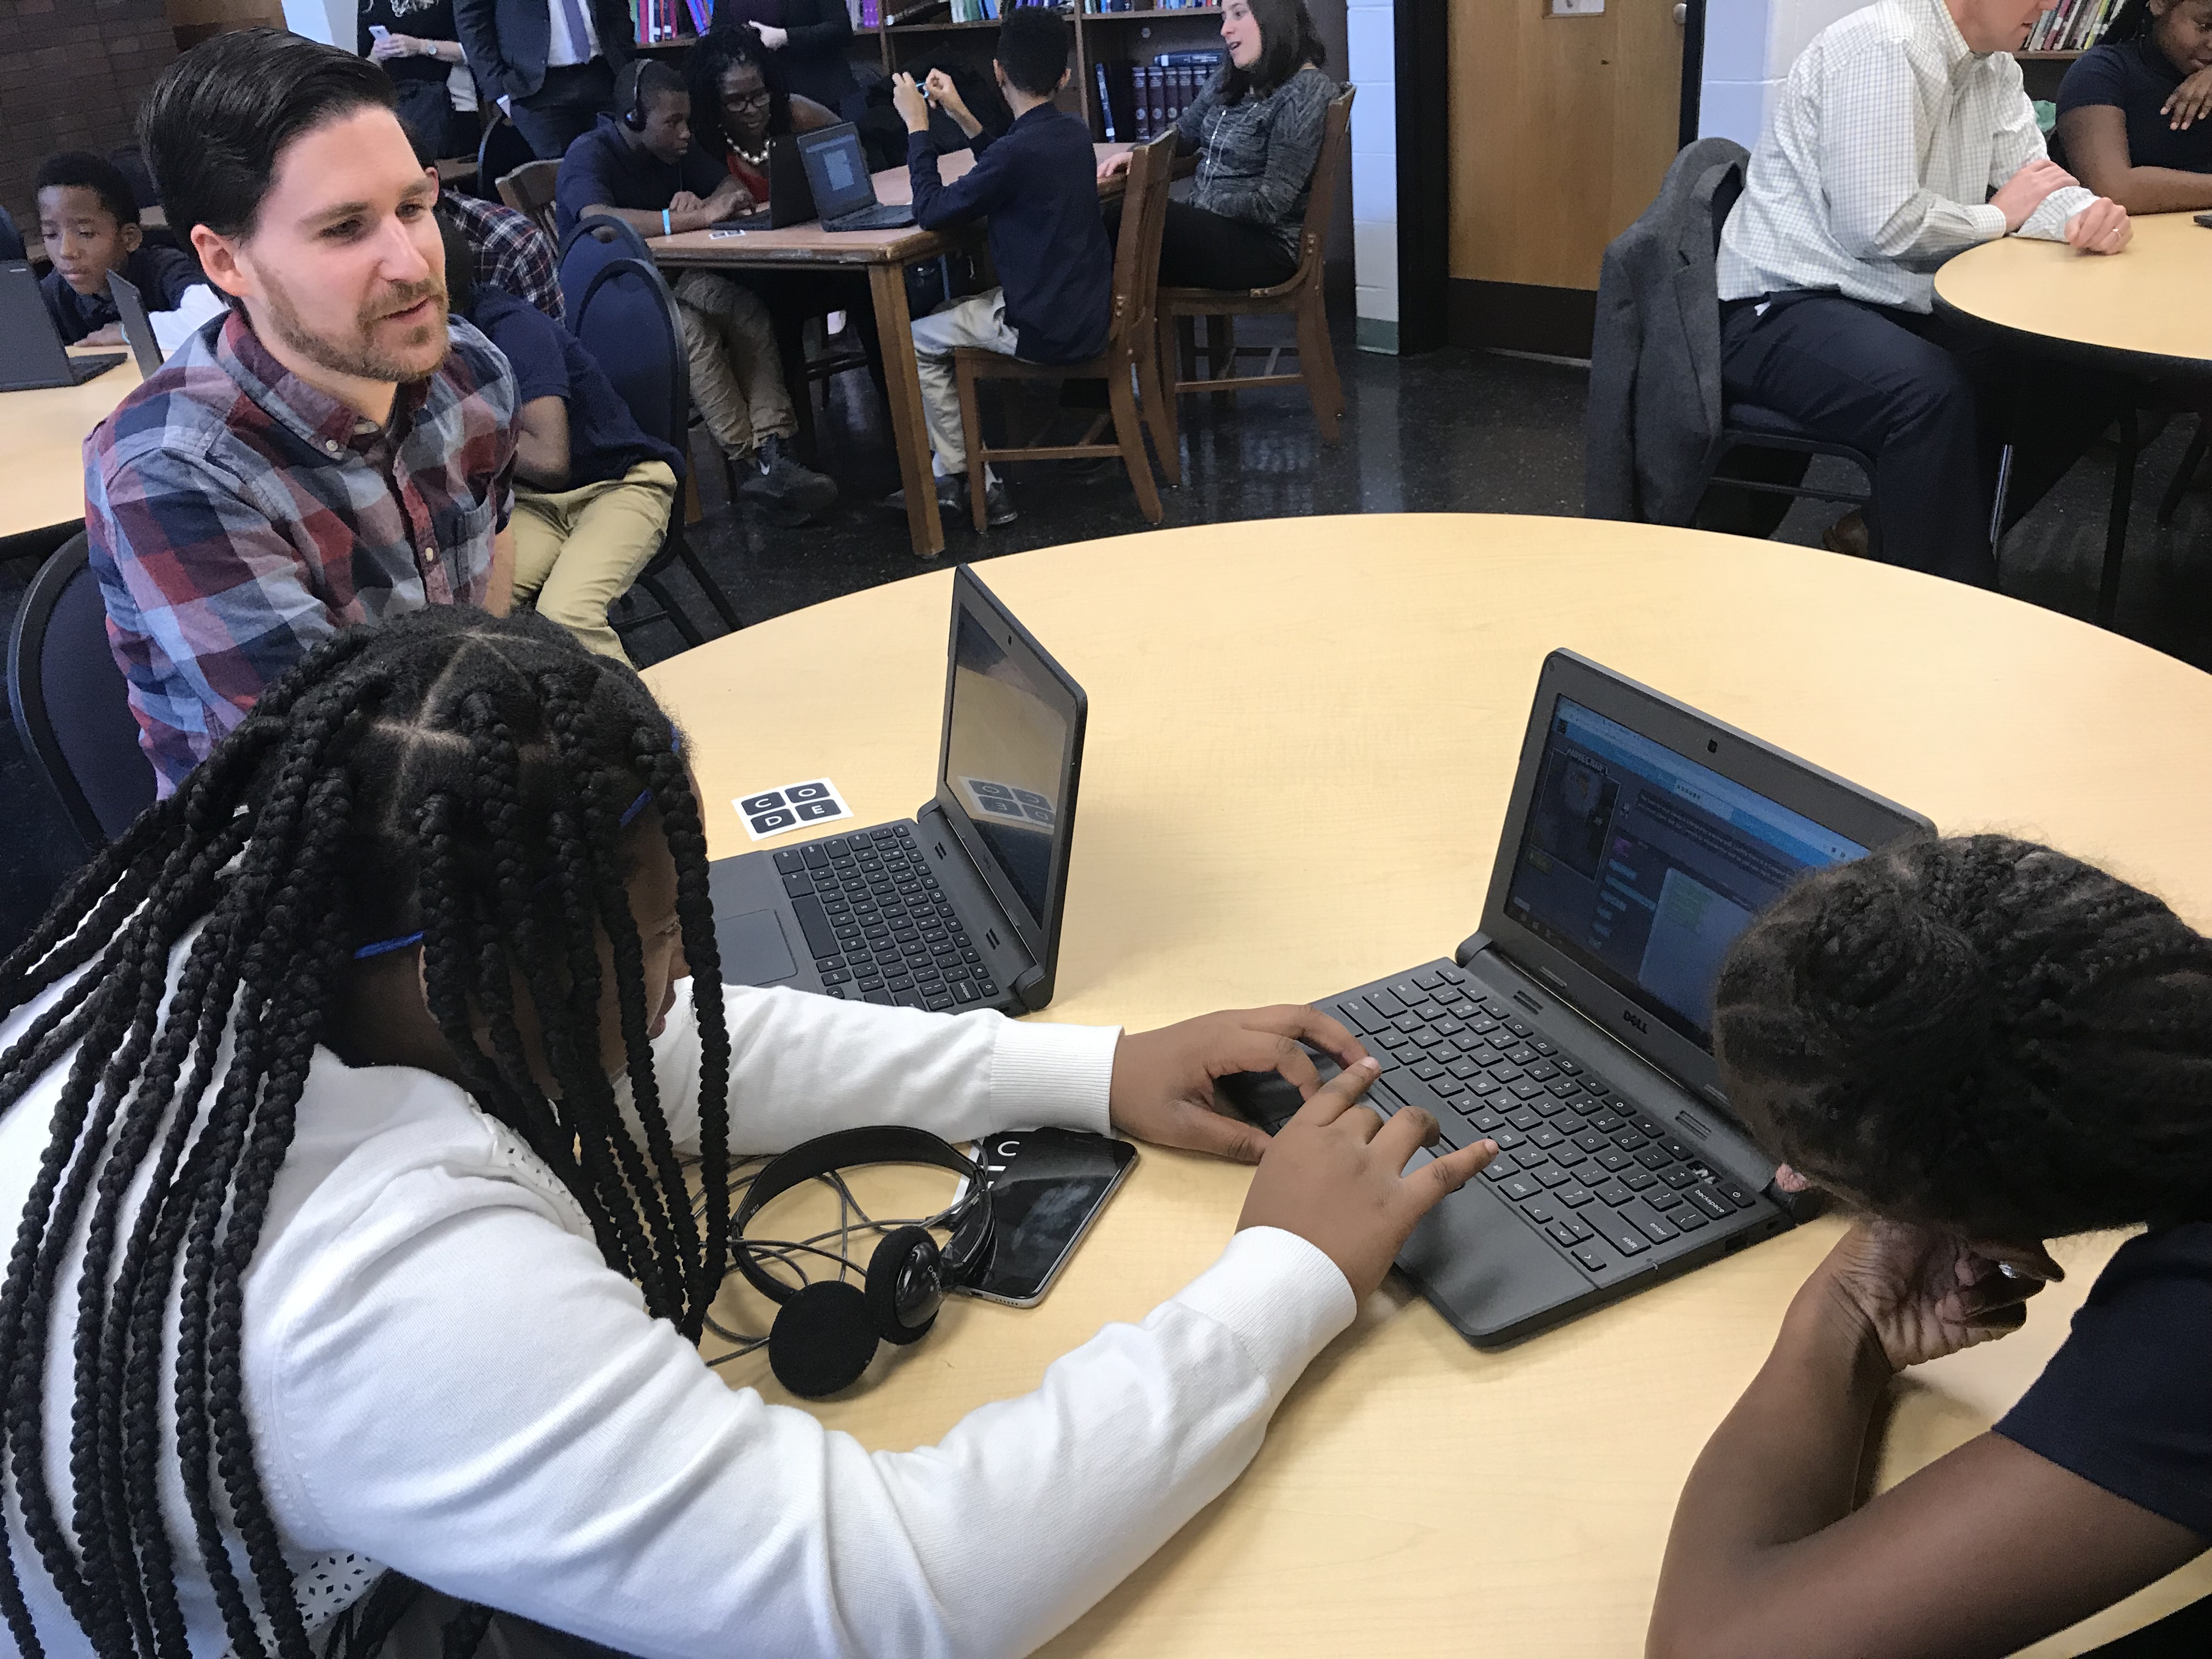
{"x":1895,"y":127}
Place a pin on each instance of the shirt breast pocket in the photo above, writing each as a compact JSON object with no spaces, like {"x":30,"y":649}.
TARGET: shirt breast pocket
{"x":463,"y":529}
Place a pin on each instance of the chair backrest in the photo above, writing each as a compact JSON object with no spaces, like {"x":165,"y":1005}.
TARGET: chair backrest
{"x":71,"y":703}
{"x":626,"y":318}
{"x":1329,"y":172}
{"x":1137,"y":254}
{"x":502,"y":149}
{"x":529,"y":189}
{"x":592,"y":243}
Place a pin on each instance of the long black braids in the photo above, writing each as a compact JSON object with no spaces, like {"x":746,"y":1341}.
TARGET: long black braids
{"x":447,"y":779}
{"x":1979,"y":1033}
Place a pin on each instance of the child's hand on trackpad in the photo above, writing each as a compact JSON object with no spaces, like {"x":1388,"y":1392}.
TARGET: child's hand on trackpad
{"x":1163,"y":1086}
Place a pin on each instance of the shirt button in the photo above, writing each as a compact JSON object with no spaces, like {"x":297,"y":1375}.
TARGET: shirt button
{"x":330,"y":444}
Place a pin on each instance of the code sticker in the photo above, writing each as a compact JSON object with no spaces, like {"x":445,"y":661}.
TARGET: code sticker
{"x":794,"y":806}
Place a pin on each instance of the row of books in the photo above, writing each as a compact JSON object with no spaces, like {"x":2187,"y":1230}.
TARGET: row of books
{"x":657,"y":19}
{"x":1139,"y":101}
{"x":2071,"y":26}
{"x":1151,"y":5}
{"x":963,"y":11}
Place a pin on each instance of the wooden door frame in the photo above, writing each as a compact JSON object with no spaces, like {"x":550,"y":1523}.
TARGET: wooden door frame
{"x":1420,"y":36}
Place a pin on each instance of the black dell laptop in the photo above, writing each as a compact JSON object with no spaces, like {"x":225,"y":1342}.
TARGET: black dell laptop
{"x":789,"y":200}
{"x":32,"y":355}
{"x":844,"y":191}
{"x":959,"y":908}
{"x":1575,"y":1028}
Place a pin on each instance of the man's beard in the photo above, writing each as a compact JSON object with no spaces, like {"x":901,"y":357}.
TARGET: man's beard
{"x":419,"y":352}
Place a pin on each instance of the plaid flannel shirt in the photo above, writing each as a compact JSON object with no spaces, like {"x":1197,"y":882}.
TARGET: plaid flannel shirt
{"x":511,"y":251}
{"x":238,"y":517}
{"x":1878,"y":162}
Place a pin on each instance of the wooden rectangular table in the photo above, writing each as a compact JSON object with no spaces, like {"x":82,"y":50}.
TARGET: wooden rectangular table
{"x":885,"y":255}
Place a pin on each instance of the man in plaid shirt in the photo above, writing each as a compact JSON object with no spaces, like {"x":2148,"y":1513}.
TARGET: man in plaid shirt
{"x":335,"y":450}
{"x":1901,"y":137}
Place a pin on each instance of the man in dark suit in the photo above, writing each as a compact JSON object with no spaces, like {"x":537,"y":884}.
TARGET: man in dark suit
{"x":551,"y":63}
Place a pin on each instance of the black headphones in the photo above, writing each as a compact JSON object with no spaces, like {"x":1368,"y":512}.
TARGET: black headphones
{"x":633,"y":106}
{"x":825,"y":1332}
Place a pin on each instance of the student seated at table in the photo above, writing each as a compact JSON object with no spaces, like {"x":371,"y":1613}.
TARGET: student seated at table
{"x":593,"y":493}
{"x":507,"y":249}
{"x":441,"y":1277}
{"x":640,"y":165}
{"x":89,"y":223}
{"x":1976,"y":1045}
{"x":335,"y":449}
{"x":1039,"y":194}
{"x":1257,"y":130}
{"x":2120,"y":117}
{"x":1901,"y":137}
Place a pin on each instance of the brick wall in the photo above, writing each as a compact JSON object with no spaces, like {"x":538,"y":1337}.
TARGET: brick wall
{"x":72,"y":73}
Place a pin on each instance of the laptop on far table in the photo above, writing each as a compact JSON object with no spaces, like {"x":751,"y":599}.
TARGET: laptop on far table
{"x":844,"y":192}
{"x":137,"y":329}
{"x":959,"y":908}
{"x":32,"y":355}
{"x":1574,"y":1029}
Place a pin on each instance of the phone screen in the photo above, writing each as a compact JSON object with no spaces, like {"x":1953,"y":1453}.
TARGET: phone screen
{"x":1048,"y":1185}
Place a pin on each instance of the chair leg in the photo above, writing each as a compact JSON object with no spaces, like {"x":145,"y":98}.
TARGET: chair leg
{"x":1186,"y":348}
{"x":1123,"y":402}
{"x":2192,"y":458}
{"x":1221,"y":356}
{"x":2115,"y":523}
{"x":791,"y":358}
{"x":670,"y":609}
{"x":1315,"y":365}
{"x":971,"y":439}
{"x":1168,"y":433}
{"x":708,"y":585}
{"x":1158,"y":410}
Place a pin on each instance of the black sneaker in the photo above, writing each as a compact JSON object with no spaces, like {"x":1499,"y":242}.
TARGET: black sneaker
{"x":777,"y":480}
{"x":951,"y":496}
{"x":998,"y":506}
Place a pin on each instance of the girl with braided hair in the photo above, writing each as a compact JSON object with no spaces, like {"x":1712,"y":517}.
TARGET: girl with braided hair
{"x":353,"y":1299}
{"x":1977,"y":1044}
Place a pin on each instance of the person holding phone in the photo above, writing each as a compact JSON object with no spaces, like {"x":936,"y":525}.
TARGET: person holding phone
{"x":419,"y":48}
{"x":1977,"y":1045}
{"x":2130,"y":108}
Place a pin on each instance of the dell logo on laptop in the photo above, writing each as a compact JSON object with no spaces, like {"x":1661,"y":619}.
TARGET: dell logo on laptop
{"x":1636,"y":1020}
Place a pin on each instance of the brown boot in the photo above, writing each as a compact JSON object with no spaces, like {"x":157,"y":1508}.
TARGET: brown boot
{"x":1848,"y":536}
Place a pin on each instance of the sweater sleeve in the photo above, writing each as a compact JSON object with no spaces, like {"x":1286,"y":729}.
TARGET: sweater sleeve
{"x":456,"y":1388}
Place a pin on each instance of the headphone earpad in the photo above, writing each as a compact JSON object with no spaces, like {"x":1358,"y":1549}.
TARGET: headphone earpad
{"x":823,"y":1340}
{"x":906,"y":1286}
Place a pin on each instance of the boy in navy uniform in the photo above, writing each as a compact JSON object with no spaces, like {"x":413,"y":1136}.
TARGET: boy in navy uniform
{"x":88,"y":219}
{"x":1039,"y":185}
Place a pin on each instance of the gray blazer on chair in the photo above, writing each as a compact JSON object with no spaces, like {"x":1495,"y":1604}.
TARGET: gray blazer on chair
{"x":1655,"y":387}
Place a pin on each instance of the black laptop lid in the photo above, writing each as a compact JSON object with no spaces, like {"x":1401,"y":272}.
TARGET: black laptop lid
{"x":1008,"y":765}
{"x":836,"y":170}
{"x":137,"y":330}
{"x":31,"y":354}
{"x":1641,"y":839}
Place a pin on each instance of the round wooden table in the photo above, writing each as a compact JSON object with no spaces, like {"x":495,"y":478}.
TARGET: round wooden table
{"x":1302,"y":734}
{"x":42,"y":437}
{"x":2141,"y":311}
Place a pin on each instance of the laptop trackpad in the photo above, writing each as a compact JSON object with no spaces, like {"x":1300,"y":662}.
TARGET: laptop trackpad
{"x":1483,"y":1267}
{"x":754,"y":950}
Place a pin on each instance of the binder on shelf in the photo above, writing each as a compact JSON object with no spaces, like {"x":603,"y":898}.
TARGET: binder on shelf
{"x":1105,"y":104}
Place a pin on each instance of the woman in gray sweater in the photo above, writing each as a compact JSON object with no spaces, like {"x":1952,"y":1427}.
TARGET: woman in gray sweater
{"x":1257,"y":131}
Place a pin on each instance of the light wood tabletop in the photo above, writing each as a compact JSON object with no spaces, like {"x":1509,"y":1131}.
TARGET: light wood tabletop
{"x":42,"y":437}
{"x":1302,"y":734}
{"x":2142,"y":309}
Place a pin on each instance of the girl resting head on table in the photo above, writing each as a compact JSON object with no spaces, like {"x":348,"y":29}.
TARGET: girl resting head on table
{"x":342,"y":1101}
{"x":1977,"y":1044}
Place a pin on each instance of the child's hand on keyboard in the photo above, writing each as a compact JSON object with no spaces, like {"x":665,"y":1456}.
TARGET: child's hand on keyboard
{"x":1163,"y":1086}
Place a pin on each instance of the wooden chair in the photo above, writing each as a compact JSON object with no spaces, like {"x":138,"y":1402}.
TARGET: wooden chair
{"x":1300,"y":297}
{"x":1129,"y":351}
{"x":529,"y":190}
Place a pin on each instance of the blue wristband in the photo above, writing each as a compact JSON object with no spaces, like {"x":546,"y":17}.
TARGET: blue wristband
{"x":666,"y":229}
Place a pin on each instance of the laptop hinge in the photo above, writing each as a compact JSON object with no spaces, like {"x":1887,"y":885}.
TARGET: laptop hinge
{"x":1471,"y":947}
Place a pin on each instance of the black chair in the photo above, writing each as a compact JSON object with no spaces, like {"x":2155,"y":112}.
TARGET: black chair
{"x":626,"y":318}
{"x":593,"y":242}
{"x":502,"y":149}
{"x":72,"y":705}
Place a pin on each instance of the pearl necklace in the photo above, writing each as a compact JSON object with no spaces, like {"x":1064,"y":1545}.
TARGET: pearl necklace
{"x":746,"y":155}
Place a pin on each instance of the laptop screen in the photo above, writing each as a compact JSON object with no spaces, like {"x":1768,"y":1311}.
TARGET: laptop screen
{"x":1006,"y":750}
{"x":836,"y":170}
{"x":1644,"y":866}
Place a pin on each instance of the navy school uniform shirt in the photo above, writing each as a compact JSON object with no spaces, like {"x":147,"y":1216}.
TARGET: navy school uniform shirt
{"x":1038,"y":187}
{"x":603,"y":168}
{"x":2136,"y":77}
{"x":2126,"y":1403}
{"x":605,"y":439}
{"x":160,"y":274}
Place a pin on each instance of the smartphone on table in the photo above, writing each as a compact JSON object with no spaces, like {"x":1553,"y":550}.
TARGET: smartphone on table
{"x":1048,"y":1186}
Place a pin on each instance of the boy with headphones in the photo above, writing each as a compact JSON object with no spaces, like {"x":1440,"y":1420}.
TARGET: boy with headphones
{"x":640,"y":166}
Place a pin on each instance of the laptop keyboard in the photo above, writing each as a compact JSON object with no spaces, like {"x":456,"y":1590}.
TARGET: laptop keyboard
{"x":884,"y":216}
{"x":1577,"y":1162}
{"x":880,"y":926}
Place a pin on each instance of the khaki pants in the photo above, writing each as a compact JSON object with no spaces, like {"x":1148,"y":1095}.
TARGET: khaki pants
{"x":737,"y":374}
{"x":977,"y":320}
{"x":576,"y":551}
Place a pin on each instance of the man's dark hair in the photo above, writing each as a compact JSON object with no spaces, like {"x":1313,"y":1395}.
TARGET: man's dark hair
{"x":76,"y":169}
{"x":220,"y":115}
{"x":1033,"y":43}
{"x":729,"y":46}
{"x":446,"y":776}
{"x":1980,"y":1034}
{"x":1288,"y":42}
{"x":643,"y":81}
